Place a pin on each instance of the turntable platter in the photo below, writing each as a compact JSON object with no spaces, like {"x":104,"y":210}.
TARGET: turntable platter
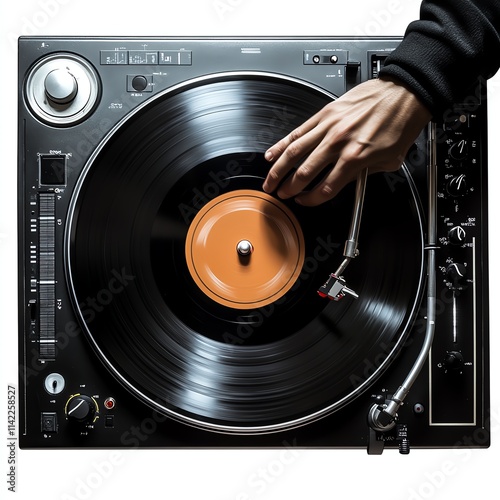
{"x":233,"y":342}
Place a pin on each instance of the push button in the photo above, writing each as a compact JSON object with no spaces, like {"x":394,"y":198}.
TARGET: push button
{"x":139,"y":83}
{"x":49,"y":421}
{"x":109,"y":421}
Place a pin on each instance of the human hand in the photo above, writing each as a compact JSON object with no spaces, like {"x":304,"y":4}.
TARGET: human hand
{"x":371,"y":126}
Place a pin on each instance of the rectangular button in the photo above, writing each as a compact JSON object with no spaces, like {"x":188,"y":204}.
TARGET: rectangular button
{"x":317,"y":57}
{"x":175,"y":57}
{"x":114,"y":56}
{"x":52,"y":170}
{"x":49,"y":421}
{"x":142,"y":57}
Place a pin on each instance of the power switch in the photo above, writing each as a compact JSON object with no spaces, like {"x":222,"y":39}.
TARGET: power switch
{"x":49,"y":421}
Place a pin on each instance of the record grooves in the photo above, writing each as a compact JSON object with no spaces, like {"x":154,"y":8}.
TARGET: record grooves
{"x":236,"y":369}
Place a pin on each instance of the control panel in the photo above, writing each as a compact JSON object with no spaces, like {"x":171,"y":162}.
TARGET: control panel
{"x":461,"y":215}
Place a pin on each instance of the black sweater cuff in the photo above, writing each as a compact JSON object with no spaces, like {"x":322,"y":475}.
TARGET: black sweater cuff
{"x":444,"y":53}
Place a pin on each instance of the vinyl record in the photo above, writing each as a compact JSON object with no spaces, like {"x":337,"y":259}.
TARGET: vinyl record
{"x":198,"y":290}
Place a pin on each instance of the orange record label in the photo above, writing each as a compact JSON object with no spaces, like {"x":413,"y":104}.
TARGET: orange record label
{"x":245,"y":249}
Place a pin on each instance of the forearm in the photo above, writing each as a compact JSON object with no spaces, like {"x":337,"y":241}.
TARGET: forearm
{"x":443,"y":54}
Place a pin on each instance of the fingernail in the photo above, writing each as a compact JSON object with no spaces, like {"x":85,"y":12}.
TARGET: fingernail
{"x":268,"y":156}
{"x":265,"y":186}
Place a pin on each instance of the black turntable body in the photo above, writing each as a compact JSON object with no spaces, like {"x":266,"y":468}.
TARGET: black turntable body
{"x":167,"y":301}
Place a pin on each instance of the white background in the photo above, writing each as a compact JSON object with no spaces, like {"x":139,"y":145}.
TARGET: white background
{"x":219,"y":474}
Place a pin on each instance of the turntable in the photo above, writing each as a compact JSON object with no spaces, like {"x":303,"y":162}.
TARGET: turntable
{"x":167,"y":301}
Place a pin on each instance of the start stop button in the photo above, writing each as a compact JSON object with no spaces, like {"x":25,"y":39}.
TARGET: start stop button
{"x":139,"y":83}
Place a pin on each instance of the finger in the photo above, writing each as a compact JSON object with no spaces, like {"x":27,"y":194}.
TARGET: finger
{"x":344,"y":172}
{"x":280,"y":168}
{"x":298,"y":147}
{"x":275,"y":151}
{"x":324,"y":155}
{"x":306,"y":173}
{"x":340,"y":175}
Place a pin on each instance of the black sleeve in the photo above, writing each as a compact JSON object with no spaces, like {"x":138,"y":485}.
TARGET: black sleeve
{"x":453,"y":44}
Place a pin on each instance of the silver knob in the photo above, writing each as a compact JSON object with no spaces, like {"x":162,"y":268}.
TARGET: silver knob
{"x":60,"y":86}
{"x":244,"y":248}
